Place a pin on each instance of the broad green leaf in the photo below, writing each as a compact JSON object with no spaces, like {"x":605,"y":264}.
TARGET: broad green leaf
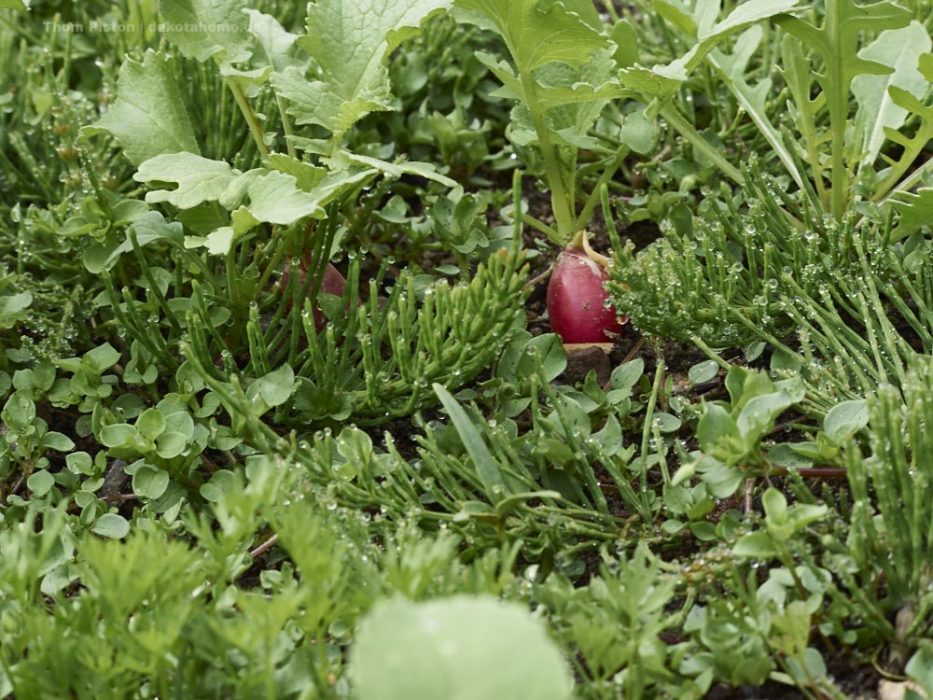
{"x":461,"y":647}
{"x":118,"y":435}
{"x":703,"y":372}
{"x":101,"y":358}
{"x":111,"y":525}
{"x":219,"y":242}
{"x":18,"y":412}
{"x":640,"y":133}
{"x":920,"y":667}
{"x":775,"y":505}
{"x":350,"y":40}
{"x":14,"y":4}
{"x":59,"y":442}
{"x":275,"y":43}
{"x":204,"y":29}
{"x":900,"y":49}
{"x":12,"y":308}
{"x":758,"y":415}
{"x":149,"y":117}
{"x":199,"y":179}
{"x":150,"y":482}
{"x":170,"y":444}
{"x":538,"y":32}
{"x":249,"y":81}
{"x":845,"y":419}
{"x":307,"y":176}
{"x":717,"y":429}
{"x":755,"y":545}
{"x":273,"y":389}
{"x":625,"y":37}
{"x":626,"y":375}
{"x":151,"y":423}
{"x":549,"y":351}
{"x":275,"y":198}
{"x":485,"y":464}
{"x":40,"y":483}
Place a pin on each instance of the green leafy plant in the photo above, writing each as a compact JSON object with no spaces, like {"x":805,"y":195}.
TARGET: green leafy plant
{"x":731,"y":434}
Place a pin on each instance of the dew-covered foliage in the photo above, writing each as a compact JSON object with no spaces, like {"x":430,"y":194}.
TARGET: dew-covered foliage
{"x":292,"y":405}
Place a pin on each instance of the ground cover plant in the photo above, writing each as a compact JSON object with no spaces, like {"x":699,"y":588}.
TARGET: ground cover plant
{"x":426,"y":349}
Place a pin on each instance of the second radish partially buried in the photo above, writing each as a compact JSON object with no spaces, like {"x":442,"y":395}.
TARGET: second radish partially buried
{"x":577,"y":303}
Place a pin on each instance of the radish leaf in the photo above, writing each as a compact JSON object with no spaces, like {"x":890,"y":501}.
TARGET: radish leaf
{"x":901,"y":49}
{"x":349,"y":40}
{"x":149,"y":117}
{"x":204,"y":29}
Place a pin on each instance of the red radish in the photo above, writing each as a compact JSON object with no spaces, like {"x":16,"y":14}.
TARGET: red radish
{"x":332,"y":283}
{"x":577,"y":303}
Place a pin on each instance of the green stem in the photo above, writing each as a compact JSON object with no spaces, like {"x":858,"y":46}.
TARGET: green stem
{"x":587,"y":213}
{"x":539,"y":225}
{"x":710,"y":353}
{"x":645,"y":436}
{"x":255,"y":128}
{"x":286,"y":127}
{"x":686,"y":129}
{"x":838,"y":113}
{"x":561,"y":200}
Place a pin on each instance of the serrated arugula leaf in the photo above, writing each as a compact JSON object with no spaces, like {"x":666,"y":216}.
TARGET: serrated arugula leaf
{"x":837,"y":40}
{"x":916,"y":211}
{"x":149,"y":117}
{"x":732,"y":69}
{"x":913,"y":145}
{"x":204,"y":29}
{"x":837,"y":43}
{"x":662,"y":81}
{"x":350,"y":40}
{"x":900,"y":49}
{"x":199,"y":179}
